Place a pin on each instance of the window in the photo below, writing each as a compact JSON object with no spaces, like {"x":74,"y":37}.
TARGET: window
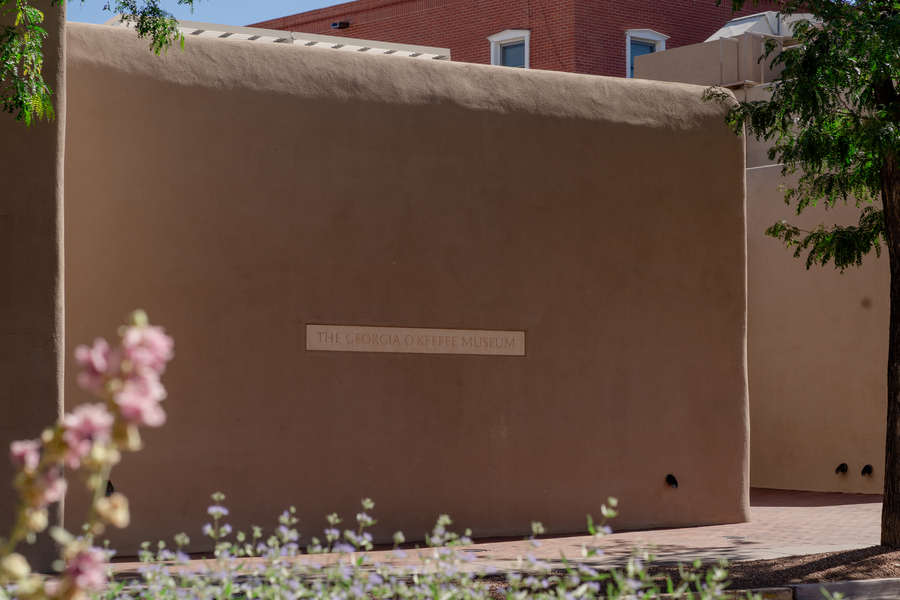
{"x":510,"y":48}
{"x":639,"y":42}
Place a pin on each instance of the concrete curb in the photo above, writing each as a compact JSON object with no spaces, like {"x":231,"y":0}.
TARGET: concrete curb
{"x":777,"y":593}
{"x":867,"y":589}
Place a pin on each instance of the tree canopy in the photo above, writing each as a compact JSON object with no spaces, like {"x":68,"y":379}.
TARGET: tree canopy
{"x":23,"y":91}
{"x":834,"y":118}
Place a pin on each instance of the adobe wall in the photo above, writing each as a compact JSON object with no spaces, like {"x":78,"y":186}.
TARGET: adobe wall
{"x":817,"y":339}
{"x":726,"y":61}
{"x":818,"y":344}
{"x":241,"y":192}
{"x":721,"y":62}
{"x":31,"y":275}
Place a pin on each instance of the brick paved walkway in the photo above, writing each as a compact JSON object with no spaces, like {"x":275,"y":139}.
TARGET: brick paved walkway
{"x":782,"y":523}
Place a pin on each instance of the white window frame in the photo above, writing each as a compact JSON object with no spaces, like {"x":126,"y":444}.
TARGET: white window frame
{"x":647,"y":36}
{"x":505,"y":38}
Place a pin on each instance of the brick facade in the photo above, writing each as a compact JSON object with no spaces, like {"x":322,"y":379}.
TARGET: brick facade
{"x":578,"y":36}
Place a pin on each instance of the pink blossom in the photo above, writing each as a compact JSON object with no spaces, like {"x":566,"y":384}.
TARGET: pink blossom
{"x":53,"y":587}
{"x":139,"y":399}
{"x":148,"y":346}
{"x":87,"y":424}
{"x":87,"y":569}
{"x":51,"y":487}
{"x":98,"y":362}
{"x":25,"y":454}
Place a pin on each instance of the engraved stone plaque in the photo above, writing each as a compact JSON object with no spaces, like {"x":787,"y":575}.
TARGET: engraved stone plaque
{"x":352,"y":338}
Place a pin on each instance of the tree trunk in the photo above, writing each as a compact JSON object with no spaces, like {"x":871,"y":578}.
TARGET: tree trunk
{"x":890,"y":512}
{"x":890,"y":197}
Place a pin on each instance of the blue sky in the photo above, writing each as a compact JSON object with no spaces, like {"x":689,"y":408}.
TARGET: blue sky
{"x":226,"y":12}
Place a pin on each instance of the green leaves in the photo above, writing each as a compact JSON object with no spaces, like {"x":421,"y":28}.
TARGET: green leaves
{"x":845,"y":245}
{"x":23,"y":91}
{"x":151,"y":21}
{"x":834,"y":116}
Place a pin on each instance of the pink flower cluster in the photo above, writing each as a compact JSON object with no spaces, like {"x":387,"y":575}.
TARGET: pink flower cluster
{"x":139,"y":398}
{"x":135,"y":367}
{"x":87,"y":569}
{"x":84,"y":426}
{"x":48,"y":487}
{"x":25,"y":454}
{"x":99,"y":363}
{"x":129,"y":376}
{"x":147,"y":347}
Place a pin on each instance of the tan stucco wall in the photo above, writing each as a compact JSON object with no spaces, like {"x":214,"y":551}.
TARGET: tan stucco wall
{"x":31,"y":326}
{"x":817,"y":344}
{"x":817,"y":340}
{"x":756,"y":150}
{"x":721,"y":62}
{"x":725,"y":61}
{"x":701,"y":64}
{"x":238,"y":192}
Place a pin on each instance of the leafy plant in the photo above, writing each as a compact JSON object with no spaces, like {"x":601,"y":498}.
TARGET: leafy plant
{"x":23,"y":91}
{"x":90,"y":438}
{"x":834,"y":119}
{"x":342,"y":567}
{"x":339,"y":566}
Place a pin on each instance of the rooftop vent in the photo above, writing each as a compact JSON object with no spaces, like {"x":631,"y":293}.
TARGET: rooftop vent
{"x":764,"y":23}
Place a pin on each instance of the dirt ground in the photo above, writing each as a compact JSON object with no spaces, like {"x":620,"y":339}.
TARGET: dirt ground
{"x":867,"y":563}
{"x":876,"y":562}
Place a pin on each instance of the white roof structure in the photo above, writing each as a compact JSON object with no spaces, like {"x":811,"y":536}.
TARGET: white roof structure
{"x":764,"y":23}
{"x":253,"y":34}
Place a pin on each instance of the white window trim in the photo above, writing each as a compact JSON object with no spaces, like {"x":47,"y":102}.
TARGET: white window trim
{"x":648,"y":36}
{"x":510,"y":36}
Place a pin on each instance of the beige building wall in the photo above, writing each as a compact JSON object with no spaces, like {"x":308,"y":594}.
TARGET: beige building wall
{"x":729,"y":62}
{"x":817,"y":339}
{"x":725,"y":61}
{"x":241,"y":192}
{"x":817,"y":343}
{"x":31,"y":274}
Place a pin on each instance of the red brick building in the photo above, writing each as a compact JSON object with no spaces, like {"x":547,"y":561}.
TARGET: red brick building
{"x":595,"y":37}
